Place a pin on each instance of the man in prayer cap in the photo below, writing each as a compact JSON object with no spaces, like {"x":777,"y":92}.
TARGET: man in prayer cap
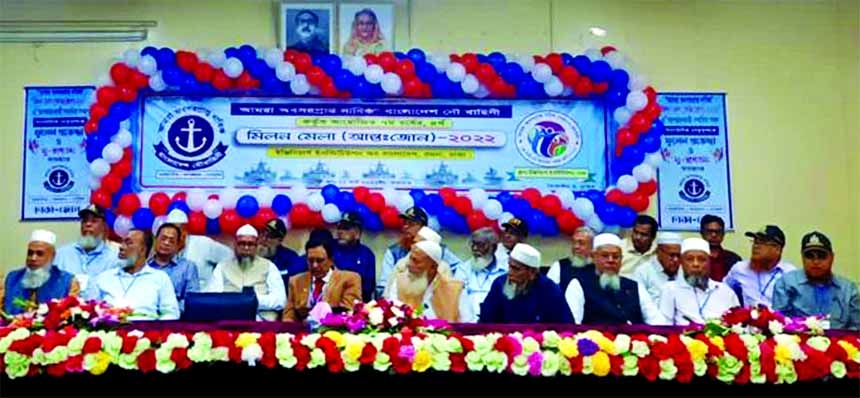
{"x":39,"y":281}
{"x":665,"y":266}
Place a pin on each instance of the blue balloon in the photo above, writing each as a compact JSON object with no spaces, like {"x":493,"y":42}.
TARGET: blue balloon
{"x":376,"y":91}
{"x":344,"y":80}
{"x":649,"y":142}
{"x":530,"y":88}
{"x":566,"y":58}
{"x":272,"y":84}
{"x":503,"y":197}
{"x":247,"y":206}
{"x":608,"y":213}
{"x":143,"y":218}
{"x":172,"y":76}
{"x":432,"y":204}
{"x":213,"y":227}
{"x":616,"y":98}
{"x":416,"y":55}
{"x":657,"y":128}
{"x":550,"y":227}
{"x":448,"y":218}
{"x":372,"y":222}
{"x":361,"y":88}
{"x":247,"y":52}
{"x":496,"y":59}
{"x":153,"y":52}
{"x":363,"y":211}
{"x":110,"y":217}
{"x":417,"y":194}
{"x":258,"y":68}
{"x":626,"y":217}
{"x":179,"y":204}
{"x":345,"y":201}
{"x":535,"y":221}
{"x":519,"y":207}
{"x":282,"y":204}
{"x":166,"y":58}
{"x":125,"y":188}
{"x":108,"y":125}
{"x":594,"y":195}
{"x":95,"y":143}
{"x":120,"y":110}
{"x":441,"y":88}
{"x":619,"y":80}
{"x":329,"y":193}
{"x":331,"y":64}
{"x":633,"y":155}
{"x":600,"y":71}
{"x":582,"y":65}
{"x":512,"y":72}
{"x":399,"y":55}
{"x":426,"y":72}
{"x":231,"y":52}
{"x":482,"y":58}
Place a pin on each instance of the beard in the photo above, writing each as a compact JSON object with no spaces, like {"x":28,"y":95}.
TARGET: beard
{"x":481,"y":262}
{"x":699,"y":281}
{"x":610,"y":282}
{"x":267,"y":251}
{"x":35,"y":278}
{"x":129,"y":261}
{"x":578,"y":261}
{"x":245,"y":261}
{"x":88,"y":242}
{"x":513,"y":290}
{"x":305,"y":32}
{"x":416,"y":285}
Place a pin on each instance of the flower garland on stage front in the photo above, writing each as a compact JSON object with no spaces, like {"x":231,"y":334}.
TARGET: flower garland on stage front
{"x":602,"y":75}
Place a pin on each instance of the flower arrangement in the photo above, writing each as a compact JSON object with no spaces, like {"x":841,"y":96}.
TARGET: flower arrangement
{"x":380,"y":316}
{"x":762,"y":319}
{"x":69,"y":311}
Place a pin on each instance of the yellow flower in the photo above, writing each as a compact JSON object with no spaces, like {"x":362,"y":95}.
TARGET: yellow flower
{"x":568,"y":347}
{"x":698,"y":350}
{"x":600,"y":364}
{"x":422,"y":361}
{"x":102,"y":363}
{"x":337,"y":337}
{"x":850,"y":350}
{"x":782,"y":353}
{"x":354,"y":349}
{"x":718,"y":341}
{"x":246,"y":339}
{"x":598,"y":338}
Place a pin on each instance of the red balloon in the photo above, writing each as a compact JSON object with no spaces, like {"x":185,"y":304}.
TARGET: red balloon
{"x":539,"y":60}
{"x":462,"y":205}
{"x":300,"y":216}
{"x":569,"y":76}
{"x":412,"y":88}
{"x":91,"y":126}
{"x":454,"y":58}
{"x":470,"y":62}
{"x":127,"y":154}
{"x":327,"y":88}
{"x":390,"y":218}
{"x":607,"y":49}
{"x":204,"y":72}
{"x":486,"y":73}
{"x":600,"y":88}
{"x":230,"y":221}
{"x":406,"y":69}
{"x":375,"y":202}
{"x":246,"y":82}
{"x":551,"y":205}
{"x":107,"y":95}
{"x":111,"y":183}
{"x":302,"y":62}
{"x":652,"y":110}
{"x":97,"y":112}
{"x":650,"y":93}
{"x":638,"y":202}
{"x":617,"y":197}
{"x":638,"y":123}
{"x":532,"y":195}
{"x":158,"y":203}
{"x":179,"y":196}
{"x":122,"y":168}
{"x":647,"y":188}
{"x":127,"y":93}
{"x":624,"y":138}
{"x":119,"y":73}
{"x":361,"y":193}
{"x":583,"y":87}
{"x":263,"y":216}
{"x":128,"y":204}
{"x":555,"y":62}
{"x":568,"y":222}
{"x":448,"y":195}
{"x":476,"y":220}
{"x":387,"y":61}
{"x":197,"y":223}
{"x":317,"y":220}
{"x":371,"y":59}
{"x":498,"y":88}
{"x":220,"y":81}
{"x":101,"y":198}
{"x":139,"y":80}
{"x":290,"y":56}
{"x":315,"y":75}
{"x":186,"y":60}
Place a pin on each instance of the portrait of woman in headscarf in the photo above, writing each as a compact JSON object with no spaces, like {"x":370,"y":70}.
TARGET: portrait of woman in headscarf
{"x":365,"y":35}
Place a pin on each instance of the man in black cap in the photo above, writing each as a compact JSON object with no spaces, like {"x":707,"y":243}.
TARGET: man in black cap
{"x":351,"y":255}
{"x":755,"y":279}
{"x":273,"y":248}
{"x":815,"y":290}
{"x":514,"y":231}
{"x":91,"y":254}
{"x":413,"y":219}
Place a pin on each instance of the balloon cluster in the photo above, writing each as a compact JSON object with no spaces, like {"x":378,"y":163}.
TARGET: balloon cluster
{"x":601,"y":75}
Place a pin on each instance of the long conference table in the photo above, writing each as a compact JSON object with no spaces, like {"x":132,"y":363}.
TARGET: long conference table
{"x":230,"y":379}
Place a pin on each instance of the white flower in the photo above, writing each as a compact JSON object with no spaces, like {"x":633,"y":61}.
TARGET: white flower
{"x":754,"y":314}
{"x":640,"y":349}
{"x":775,"y":326}
{"x":397,"y":312}
{"x":375,"y":316}
{"x":43,"y":309}
{"x":310,"y":340}
{"x":657,"y":337}
{"x":392,"y":321}
{"x":252,"y":354}
{"x":738,"y":329}
{"x":622,"y":344}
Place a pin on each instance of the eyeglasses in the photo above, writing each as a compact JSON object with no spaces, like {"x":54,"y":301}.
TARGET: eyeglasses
{"x":316,"y":260}
{"x":815,"y":255}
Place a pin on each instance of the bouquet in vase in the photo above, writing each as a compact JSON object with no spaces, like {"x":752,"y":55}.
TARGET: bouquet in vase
{"x":69,"y":311}
{"x":764,"y":320}
{"x":379,"y":316}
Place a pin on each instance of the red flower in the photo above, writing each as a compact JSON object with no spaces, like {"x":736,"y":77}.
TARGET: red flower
{"x":57,"y":369}
{"x":267,"y":344}
{"x":154,"y":336}
{"x":33,"y":370}
{"x":52,"y":321}
{"x":303,"y":355}
{"x":401,"y":365}
{"x":467,"y":344}
{"x":852,"y":370}
{"x":836,"y":352}
{"x":146,"y":360}
{"x":75,"y":363}
{"x":92,"y":345}
{"x":737,"y":315}
{"x":767,"y":360}
{"x":649,"y":367}
{"x":743,"y":376}
{"x":5,"y":330}
{"x":735,"y":346}
{"x":54,"y":339}
{"x":391,"y":346}
{"x":179,"y":356}
{"x":685,"y":370}
{"x":221,"y":338}
{"x":458,"y":363}
{"x":326,"y":344}
{"x":335,"y":364}
{"x":661,"y":350}
{"x":815,"y":366}
{"x":616,"y":363}
{"x":128,"y":344}
{"x":234,"y":354}
{"x":2,"y":363}
{"x":368,"y":355}
{"x":575,"y":365}
{"x":26,"y":346}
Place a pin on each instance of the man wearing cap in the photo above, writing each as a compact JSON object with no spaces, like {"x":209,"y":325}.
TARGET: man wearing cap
{"x":483,"y":268}
{"x":182,"y":273}
{"x":605,"y":297}
{"x":448,"y":257}
{"x":91,"y":254}
{"x":525,"y":295}
{"x":322,"y":283}
{"x":203,"y":251}
{"x":40,"y":281}
{"x":664,"y":267}
{"x":247,"y":269}
{"x":428,"y":286}
{"x":695,"y":297}
{"x":713,"y":229}
{"x":563,"y":271}
{"x":815,"y":290}
{"x":146,"y":290}
{"x":351,"y":255}
{"x":514,"y":231}
{"x":274,"y":249}
{"x":638,"y":248}
{"x":756,"y":278}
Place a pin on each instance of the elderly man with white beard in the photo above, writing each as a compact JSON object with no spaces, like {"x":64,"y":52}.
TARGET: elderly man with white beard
{"x":448,"y":257}
{"x":524,"y":295}
{"x":696,"y":297}
{"x":567,"y":269}
{"x":605,"y":297}
{"x":479,"y":272}
{"x":91,"y":254}
{"x":427,"y":286}
{"x":40,"y":281}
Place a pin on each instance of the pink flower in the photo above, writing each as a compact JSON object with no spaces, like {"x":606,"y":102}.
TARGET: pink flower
{"x":408,"y":352}
{"x":534,"y":361}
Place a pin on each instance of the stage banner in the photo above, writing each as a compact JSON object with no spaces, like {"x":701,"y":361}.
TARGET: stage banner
{"x":56,"y":172}
{"x":694,"y":177}
{"x":492,"y":144}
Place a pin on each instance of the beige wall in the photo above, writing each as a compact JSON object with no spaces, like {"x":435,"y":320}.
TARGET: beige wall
{"x":790,"y":69}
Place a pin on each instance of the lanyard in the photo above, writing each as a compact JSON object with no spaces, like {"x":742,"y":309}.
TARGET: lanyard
{"x":822,"y":299}
{"x":703,"y":304}
{"x":87,"y":259}
{"x":762,"y":290}
{"x":125,"y":289}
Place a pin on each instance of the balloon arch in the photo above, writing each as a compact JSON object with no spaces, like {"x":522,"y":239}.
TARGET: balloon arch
{"x":600,"y":75}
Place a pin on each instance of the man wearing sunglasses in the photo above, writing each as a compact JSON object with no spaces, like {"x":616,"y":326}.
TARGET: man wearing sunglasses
{"x":755,"y":279}
{"x":815,"y":290}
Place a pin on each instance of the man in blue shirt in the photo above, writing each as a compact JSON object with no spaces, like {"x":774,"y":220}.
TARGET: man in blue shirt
{"x":40,"y":281}
{"x":90,"y":255}
{"x":351,"y":255}
{"x":815,"y":290}
{"x":483,"y":268}
{"x":272,"y":248}
{"x":182,"y":272}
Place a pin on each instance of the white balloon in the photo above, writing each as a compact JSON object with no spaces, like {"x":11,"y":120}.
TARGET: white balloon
{"x":627,"y":184}
{"x":316,"y":201}
{"x":300,"y":85}
{"x":122,"y":225}
{"x":404,"y":201}
{"x":131,"y":57}
{"x":265,"y":195}
{"x":505,"y":217}
{"x":144,"y":198}
{"x":478,"y":197}
{"x":492,"y":209}
{"x":482,"y":92}
{"x":273,"y":57}
{"x":542,"y":72}
{"x":654,"y":159}
{"x":330,"y":213}
{"x":94,"y":182}
{"x":202,"y":53}
{"x":157,"y":223}
{"x":636,"y":101}
{"x":554,"y":87}
{"x":441,"y":62}
{"x":122,"y":138}
{"x":583,"y":208}
{"x":213,"y":208}
{"x":233,"y":67}
{"x":470,"y":84}
{"x":616,"y":60}
{"x":147,"y":65}
{"x":433,"y":223}
{"x":156,"y":82}
{"x":99,"y":168}
{"x":596,"y":224}
{"x":298,"y":194}
{"x":196,"y":199}
{"x":643,"y":172}
{"x":566,"y":197}
{"x":357,"y":66}
{"x":622,"y":115}
{"x":593,"y":54}
{"x":390,"y":195}
{"x":229,"y":197}
{"x":112,"y":153}
{"x":638,"y":82}
{"x":456,"y":72}
{"x":285,"y":71}
{"x":374,"y":74}
{"x":104,"y":80}
{"x":527,"y":62}
{"x":391,"y":83}
{"x":216,"y":58}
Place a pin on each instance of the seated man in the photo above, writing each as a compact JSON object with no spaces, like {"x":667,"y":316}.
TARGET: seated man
{"x":427,"y":286}
{"x":426,"y":233}
{"x":352,"y":255}
{"x":147,"y":291}
{"x":91,"y":254}
{"x":201,"y":250}
{"x":696,"y":297}
{"x":665,"y":266}
{"x":182,"y":273}
{"x":524,"y":295}
{"x":413,"y":219}
{"x":756,"y":278}
{"x":605,"y":297}
{"x":40,"y":281}
{"x":247,"y":269}
{"x":563,"y":271}
{"x":815,"y":290}
{"x":514,"y":231}
{"x":638,"y":248}
{"x":273,"y":248}
{"x":321,"y":283}
{"x":482,"y":269}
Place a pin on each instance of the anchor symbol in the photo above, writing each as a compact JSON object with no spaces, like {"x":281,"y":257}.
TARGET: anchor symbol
{"x":695,"y":188}
{"x":189,"y":142}
{"x":59,"y":179}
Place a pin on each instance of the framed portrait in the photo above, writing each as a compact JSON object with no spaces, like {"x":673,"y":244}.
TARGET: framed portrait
{"x":307,"y":27}
{"x":366,"y":28}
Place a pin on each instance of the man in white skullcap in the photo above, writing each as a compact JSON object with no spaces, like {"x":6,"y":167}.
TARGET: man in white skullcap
{"x":524,"y":295}
{"x":247,"y":269}
{"x":604,"y":296}
{"x":428,"y":234}
{"x":427,"y":285}
{"x":39,"y":281}
{"x":665,"y":266}
{"x":202,"y":251}
{"x":696,"y":297}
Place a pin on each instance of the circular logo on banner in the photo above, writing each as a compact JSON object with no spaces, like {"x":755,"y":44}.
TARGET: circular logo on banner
{"x":59,"y":179}
{"x":548,"y":138}
{"x":190,"y":138}
{"x":694,"y":188}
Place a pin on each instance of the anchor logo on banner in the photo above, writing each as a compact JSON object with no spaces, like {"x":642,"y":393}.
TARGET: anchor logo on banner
{"x":191,"y":139}
{"x":58,"y":179}
{"x":694,"y":189}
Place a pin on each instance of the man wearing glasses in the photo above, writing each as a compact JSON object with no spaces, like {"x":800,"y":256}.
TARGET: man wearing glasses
{"x":713,"y":229}
{"x":664,"y":267}
{"x":638,"y":248}
{"x":755,"y":279}
{"x":815,"y":290}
